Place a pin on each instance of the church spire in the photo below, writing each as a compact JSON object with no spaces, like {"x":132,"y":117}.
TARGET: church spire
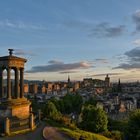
{"x":68,"y":79}
{"x":119,"y":86}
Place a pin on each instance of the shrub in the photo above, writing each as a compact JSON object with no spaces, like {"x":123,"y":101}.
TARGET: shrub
{"x":66,"y":120}
{"x":114,"y":135}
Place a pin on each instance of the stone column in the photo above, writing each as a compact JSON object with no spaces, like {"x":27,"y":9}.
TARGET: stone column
{"x":31,"y":121}
{"x":1,"y":83}
{"x":9,"y":83}
{"x":17,"y":83}
{"x":21,"y":83}
{"x":7,"y":126}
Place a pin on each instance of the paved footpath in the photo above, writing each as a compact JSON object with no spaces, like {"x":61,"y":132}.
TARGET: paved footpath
{"x":50,"y":133}
{"x":37,"y":134}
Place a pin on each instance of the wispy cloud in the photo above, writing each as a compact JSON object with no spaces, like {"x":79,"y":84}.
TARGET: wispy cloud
{"x":103,"y":29}
{"x":55,"y":61}
{"x":136,"y":42}
{"x":22,"y":52}
{"x":133,"y":57}
{"x":106,"y":30}
{"x":67,"y":72}
{"x":136,"y":19}
{"x":21,"y":25}
{"x":60,"y":67}
{"x":110,"y":74}
{"x":126,"y":66}
{"x":102,"y":60}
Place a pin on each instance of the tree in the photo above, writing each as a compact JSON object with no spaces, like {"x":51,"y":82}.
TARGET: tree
{"x":57,"y":103}
{"x":51,"y":111}
{"x":38,"y":106}
{"x":119,"y":125}
{"x":133,"y":128}
{"x":91,"y":101}
{"x":77,"y":102}
{"x":71,"y":103}
{"x":93,"y":119}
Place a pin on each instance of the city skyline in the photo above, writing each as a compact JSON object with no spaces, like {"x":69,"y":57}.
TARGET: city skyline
{"x":79,"y":38}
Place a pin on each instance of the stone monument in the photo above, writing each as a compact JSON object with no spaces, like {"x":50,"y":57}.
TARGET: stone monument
{"x":14,"y":107}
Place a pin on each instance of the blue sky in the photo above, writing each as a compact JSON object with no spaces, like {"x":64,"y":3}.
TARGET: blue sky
{"x":80,"y":38}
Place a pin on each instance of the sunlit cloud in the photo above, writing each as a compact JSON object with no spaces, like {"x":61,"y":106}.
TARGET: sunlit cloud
{"x":60,"y":67}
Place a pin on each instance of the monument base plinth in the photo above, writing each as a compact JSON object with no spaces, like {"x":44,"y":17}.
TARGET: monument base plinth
{"x":19,"y":108}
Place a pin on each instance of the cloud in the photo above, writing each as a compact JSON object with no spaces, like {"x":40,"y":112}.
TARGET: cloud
{"x":106,"y":30}
{"x":103,"y":29}
{"x":22,"y":52}
{"x":55,"y":62}
{"x":21,"y":25}
{"x":136,"y":19}
{"x":60,"y":67}
{"x":133,"y":57}
{"x":110,"y":74}
{"x":136,"y":42}
{"x":102,"y":60}
{"x":128,"y":66}
{"x":67,"y":72}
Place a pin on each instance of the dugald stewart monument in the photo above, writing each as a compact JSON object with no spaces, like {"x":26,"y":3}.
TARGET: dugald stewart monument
{"x":15,"y":112}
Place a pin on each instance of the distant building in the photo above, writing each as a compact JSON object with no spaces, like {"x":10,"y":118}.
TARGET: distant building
{"x":26,"y":88}
{"x":49,"y":87}
{"x":107,"y":81}
{"x":99,"y":90}
{"x":33,"y":88}
{"x":43,"y":89}
{"x":69,"y":83}
{"x":87,"y":82}
{"x":57,"y":86}
{"x":76,"y":86}
{"x":119,"y":88}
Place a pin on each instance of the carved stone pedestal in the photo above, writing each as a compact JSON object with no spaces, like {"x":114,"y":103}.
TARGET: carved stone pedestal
{"x":19,"y":108}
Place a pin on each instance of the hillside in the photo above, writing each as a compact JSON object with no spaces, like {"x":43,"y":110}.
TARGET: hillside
{"x":86,"y":135}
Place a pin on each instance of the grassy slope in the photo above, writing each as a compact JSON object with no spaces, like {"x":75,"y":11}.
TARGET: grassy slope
{"x":86,"y":135}
{"x":76,"y":133}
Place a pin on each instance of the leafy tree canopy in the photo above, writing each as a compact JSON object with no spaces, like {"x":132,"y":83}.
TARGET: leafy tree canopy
{"x":51,"y":111}
{"x":133,"y":128}
{"x":93,"y":119}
